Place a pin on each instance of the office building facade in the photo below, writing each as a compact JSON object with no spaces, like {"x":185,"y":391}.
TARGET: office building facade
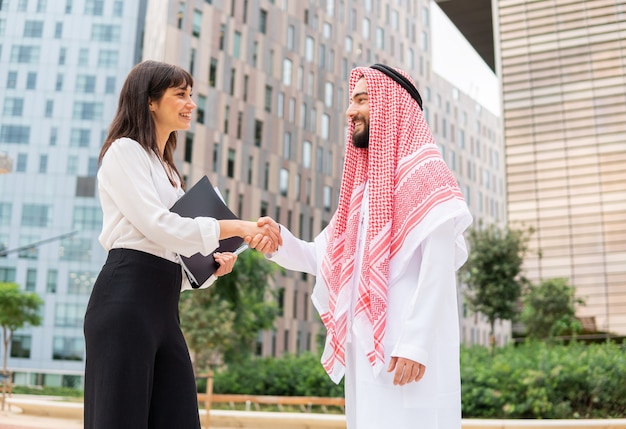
{"x":563,"y":67}
{"x":271,"y":85}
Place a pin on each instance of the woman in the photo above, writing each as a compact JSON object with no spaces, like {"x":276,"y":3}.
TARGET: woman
{"x":138,"y":373}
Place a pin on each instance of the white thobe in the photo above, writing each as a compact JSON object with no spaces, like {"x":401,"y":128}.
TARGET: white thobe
{"x":422,"y":325}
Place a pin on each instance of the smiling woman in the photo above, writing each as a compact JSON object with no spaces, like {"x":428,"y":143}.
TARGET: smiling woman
{"x":138,"y":373}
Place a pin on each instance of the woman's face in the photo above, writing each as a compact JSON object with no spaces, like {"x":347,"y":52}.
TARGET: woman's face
{"x":173,"y":111}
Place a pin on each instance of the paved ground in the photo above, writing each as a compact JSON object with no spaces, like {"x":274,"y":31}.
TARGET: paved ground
{"x":15,"y":420}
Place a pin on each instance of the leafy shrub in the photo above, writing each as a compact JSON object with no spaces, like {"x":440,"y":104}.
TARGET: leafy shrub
{"x":287,"y":376}
{"x":537,"y":380}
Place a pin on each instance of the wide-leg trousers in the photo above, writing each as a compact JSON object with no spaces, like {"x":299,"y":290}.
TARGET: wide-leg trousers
{"x":138,"y":373}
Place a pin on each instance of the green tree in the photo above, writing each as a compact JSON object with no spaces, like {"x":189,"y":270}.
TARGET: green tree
{"x":17,"y":309}
{"x":493,"y":272}
{"x":550,"y":309}
{"x":223,"y":322}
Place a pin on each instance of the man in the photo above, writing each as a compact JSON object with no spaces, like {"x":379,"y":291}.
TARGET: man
{"x":385,"y":265}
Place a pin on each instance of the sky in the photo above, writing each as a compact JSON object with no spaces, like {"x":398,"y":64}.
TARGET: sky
{"x":454,"y":59}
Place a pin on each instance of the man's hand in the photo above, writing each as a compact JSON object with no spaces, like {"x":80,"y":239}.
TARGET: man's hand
{"x":407,"y":370}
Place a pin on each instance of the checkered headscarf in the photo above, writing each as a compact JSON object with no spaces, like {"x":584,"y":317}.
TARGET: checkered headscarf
{"x":406,"y":178}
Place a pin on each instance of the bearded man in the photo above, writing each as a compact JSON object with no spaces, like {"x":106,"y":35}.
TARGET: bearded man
{"x":385,"y":265}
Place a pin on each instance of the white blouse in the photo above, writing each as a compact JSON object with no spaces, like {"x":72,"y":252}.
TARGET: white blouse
{"x":136,"y":194}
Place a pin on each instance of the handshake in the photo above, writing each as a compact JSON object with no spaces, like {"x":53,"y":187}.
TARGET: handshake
{"x":264,"y":235}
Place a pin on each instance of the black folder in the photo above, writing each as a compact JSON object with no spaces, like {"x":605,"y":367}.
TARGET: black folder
{"x":202,"y":200}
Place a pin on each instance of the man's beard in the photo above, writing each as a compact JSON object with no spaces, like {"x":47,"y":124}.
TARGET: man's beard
{"x":361,"y":139}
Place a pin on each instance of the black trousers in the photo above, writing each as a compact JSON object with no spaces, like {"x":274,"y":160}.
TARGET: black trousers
{"x":138,"y":373}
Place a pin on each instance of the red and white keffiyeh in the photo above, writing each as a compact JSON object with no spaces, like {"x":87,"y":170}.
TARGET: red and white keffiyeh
{"x":407,"y":178}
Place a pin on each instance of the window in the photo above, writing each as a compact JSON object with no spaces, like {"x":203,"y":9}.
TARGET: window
{"x":233,"y":75}
{"x":43,"y":163}
{"x":118,"y":8}
{"x":380,"y":38}
{"x":266,"y":176}
{"x":107,"y":58}
{"x":280,"y":104}
{"x":5,"y":213}
{"x":237,"y":45}
{"x":75,"y":249}
{"x":87,"y":218}
{"x":13,"y":106}
{"x":188,"y":154}
{"x":72,"y":165}
{"x":51,"y":281}
{"x":86,"y":83}
{"x":325,"y":125}
{"x":68,"y":348}
{"x":216,"y":157}
{"x":239,"y":123}
{"x":268,"y":98}
{"x":201,"y":108}
{"x":20,"y":164}
{"x":28,"y":251}
{"x":109,"y":86}
{"x":59,"y":82}
{"x":69,"y":315}
{"x":303,"y":116}
{"x":58,"y":30}
{"x":14,"y":134}
{"x":87,"y":110}
{"x":94,"y":7}
{"x":20,"y":346}
{"x":54,"y":131}
{"x":290,"y":37}
{"x":226,"y":117}
{"x":287,"y":71}
{"x":263,"y":21}
{"x":287,"y":146}
{"x":62,"y":56}
{"x":222,"y":37}
{"x":213,"y":72}
{"x":83,"y":57}
{"x":327,"y":198}
{"x":105,"y":33}
{"x":31,"y":280}
{"x":197,"y":22}
{"x":306,"y":154}
{"x":230,"y":168}
{"x":25,"y":54}
{"x":258,"y":132}
{"x":38,"y":215}
{"x":309,"y":49}
{"x":33,"y":29}
{"x":328,"y":94}
{"x":283,"y":181}
{"x":11,"y":80}
{"x":7,"y":275}
{"x":80,"y":282}
{"x":366,"y":28}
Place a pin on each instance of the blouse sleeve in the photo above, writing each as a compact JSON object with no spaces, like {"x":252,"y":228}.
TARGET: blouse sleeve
{"x":126,"y":176}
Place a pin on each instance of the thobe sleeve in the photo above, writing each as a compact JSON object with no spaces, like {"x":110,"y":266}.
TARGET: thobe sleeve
{"x":436,"y":287}
{"x":295,"y":254}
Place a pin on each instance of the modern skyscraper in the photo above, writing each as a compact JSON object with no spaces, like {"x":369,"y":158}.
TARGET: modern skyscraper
{"x":271,"y":88}
{"x":563,"y":72}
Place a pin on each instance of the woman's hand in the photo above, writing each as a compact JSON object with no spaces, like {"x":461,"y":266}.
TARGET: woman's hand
{"x":227,"y":262}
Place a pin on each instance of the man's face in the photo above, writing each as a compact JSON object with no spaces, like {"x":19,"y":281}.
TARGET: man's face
{"x":359,"y":113}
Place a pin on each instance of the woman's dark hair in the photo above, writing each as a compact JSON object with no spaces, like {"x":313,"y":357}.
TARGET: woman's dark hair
{"x":146,"y":82}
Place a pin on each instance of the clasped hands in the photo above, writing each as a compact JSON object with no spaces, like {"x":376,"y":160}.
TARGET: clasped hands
{"x":264,"y":236}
